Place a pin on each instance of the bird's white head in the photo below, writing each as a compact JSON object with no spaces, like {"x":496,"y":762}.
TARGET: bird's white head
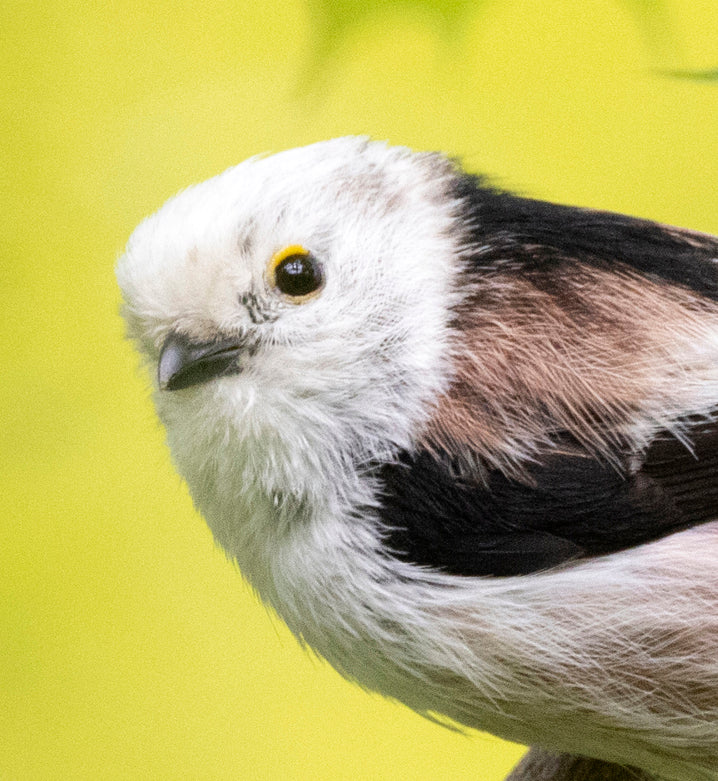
{"x":299,"y":307}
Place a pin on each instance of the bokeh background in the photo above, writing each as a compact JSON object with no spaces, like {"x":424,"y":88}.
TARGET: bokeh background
{"x":129,"y":646}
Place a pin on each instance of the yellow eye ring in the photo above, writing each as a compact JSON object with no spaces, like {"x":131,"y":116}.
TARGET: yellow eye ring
{"x":295,"y":273}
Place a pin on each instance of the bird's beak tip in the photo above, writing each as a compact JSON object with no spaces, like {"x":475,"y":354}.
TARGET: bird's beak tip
{"x":183,"y":363}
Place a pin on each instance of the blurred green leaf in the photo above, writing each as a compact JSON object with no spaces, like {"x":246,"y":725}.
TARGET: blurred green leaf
{"x":334,"y":18}
{"x":698,"y":75}
{"x":653,"y":21}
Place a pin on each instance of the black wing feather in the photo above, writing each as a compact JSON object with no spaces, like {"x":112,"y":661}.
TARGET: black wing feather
{"x":535,"y":233}
{"x":570,"y":506}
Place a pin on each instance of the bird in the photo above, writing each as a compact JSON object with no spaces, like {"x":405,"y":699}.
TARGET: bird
{"x":463,"y":442}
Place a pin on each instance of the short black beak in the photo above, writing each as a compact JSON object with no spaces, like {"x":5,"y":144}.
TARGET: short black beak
{"x":184,"y":363}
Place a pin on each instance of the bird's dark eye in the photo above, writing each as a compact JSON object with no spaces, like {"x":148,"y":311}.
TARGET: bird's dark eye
{"x":296,"y":272}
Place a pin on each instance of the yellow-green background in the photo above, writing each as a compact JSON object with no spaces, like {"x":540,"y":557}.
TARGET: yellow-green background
{"x":129,"y":647}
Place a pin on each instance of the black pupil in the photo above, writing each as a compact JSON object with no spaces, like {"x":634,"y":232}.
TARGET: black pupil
{"x":298,"y":275}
